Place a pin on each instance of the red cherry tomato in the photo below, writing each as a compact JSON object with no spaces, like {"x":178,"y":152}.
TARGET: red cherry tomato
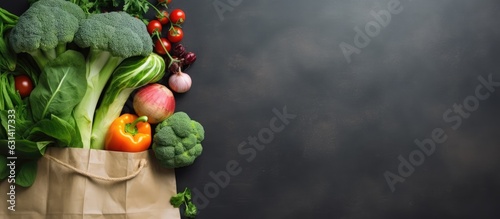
{"x":159,"y":49}
{"x":177,"y":16}
{"x":164,"y":1}
{"x":154,"y":26}
{"x":24,"y":85}
{"x":163,"y":17}
{"x":175,"y":34}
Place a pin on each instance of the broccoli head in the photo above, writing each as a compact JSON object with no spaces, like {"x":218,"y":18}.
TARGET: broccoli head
{"x":45,"y":28}
{"x":116,"y":32}
{"x":177,"y":142}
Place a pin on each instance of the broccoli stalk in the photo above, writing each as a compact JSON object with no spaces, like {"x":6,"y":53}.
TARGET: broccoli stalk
{"x":42,"y":57}
{"x":44,"y":30}
{"x":131,"y":74}
{"x":112,"y":37}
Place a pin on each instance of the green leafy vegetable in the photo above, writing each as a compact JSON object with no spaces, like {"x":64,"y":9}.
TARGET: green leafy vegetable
{"x":45,"y":118}
{"x":23,"y":119}
{"x":61,"y":130}
{"x":26,"y":149}
{"x":134,"y":7}
{"x":184,"y":197}
{"x":7,"y":56}
{"x":3,"y":132}
{"x":4,"y":170}
{"x":9,"y":97}
{"x":27,"y":174}
{"x":88,"y":6}
{"x":26,"y":64}
{"x":61,"y":87}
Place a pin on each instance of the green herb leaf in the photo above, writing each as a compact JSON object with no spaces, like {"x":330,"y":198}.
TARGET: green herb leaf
{"x":187,"y":194}
{"x":191,"y":211}
{"x":184,"y":197}
{"x":177,"y":200}
{"x":116,"y":3}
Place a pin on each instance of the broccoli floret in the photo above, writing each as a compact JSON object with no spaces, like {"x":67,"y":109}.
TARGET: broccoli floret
{"x":111,"y":38}
{"x":45,"y":29}
{"x":115,"y":32}
{"x":177,"y":142}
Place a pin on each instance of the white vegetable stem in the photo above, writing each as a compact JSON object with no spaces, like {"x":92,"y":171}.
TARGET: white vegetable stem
{"x":99,"y":69}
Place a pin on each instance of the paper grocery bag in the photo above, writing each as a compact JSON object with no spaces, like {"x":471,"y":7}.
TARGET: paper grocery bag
{"x":83,"y":183}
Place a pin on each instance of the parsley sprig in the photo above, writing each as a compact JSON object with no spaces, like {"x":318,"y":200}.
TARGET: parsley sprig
{"x":184,"y":197}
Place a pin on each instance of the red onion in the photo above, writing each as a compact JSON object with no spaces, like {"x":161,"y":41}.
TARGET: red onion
{"x":154,"y":101}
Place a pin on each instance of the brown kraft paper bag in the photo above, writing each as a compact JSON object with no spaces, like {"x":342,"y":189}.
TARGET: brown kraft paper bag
{"x":84,"y":184}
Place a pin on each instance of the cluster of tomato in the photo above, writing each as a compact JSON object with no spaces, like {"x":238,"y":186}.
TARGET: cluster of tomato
{"x":167,"y":42}
{"x":174,"y":33}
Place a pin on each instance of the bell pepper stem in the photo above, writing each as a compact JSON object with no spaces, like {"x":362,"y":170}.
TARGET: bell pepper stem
{"x":131,"y":128}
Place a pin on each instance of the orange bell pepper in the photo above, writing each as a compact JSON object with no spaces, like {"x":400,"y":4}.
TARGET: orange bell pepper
{"x":128,"y":133}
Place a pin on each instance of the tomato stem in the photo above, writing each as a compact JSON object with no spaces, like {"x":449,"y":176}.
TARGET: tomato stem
{"x":157,"y":34}
{"x":156,"y":9}
{"x":163,"y":4}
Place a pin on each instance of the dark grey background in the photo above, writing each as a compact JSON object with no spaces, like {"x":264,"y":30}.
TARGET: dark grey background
{"x":353,"y":119}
